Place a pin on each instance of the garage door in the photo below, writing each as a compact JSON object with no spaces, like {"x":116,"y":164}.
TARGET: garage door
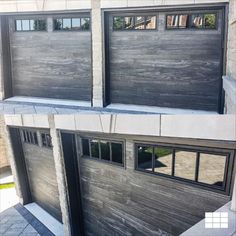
{"x":51,"y":56}
{"x":166,"y":59}
{"x":41,"y":171}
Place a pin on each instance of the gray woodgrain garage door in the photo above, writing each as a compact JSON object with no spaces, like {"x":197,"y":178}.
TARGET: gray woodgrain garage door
{"x":177,"y":68}
{"x":42,"y":176}
{"x":51,"y":64}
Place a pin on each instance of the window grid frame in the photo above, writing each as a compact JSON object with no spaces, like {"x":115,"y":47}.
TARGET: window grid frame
{"x":189,"y":21}
{"x":198,"y":151}
{"x":110,"y":141}
{"x":30,"y":135}
{"x":134,"y":20}
{"x":47,"y":144}
{"x":29,"y":19}
{"x":71,"y":29}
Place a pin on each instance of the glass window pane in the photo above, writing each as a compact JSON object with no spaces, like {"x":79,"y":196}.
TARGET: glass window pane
{"x":66,"y":24}
{"x":75,"y":23}
{"x":185,"y":163}
{"x":172,"y":21}
{"x":183,"y":21}
{"x":85,"y":147}
{"x":151,"y":22}
{"x":25,"y":25}
{"x":18,"y":25}
{"x":118,"y":23}
{"x":139,"y":22}
{"x":40,"y":25}
{"x":210,"y":21}
{"x":197,"y":21}
{"x":145,"y":158}
{"x":85,"y":23}
{"x":44,"y":141}
{"x":49,"y":140}
{"x":105,"y":150}
{"x":211,"y":169}
{"x":128,"y":22}
{"x":32,"y":25}
{"x":35,"y":138}
{"x":58,"y":24}
{"x":163,"y":160}
{"x":94,"y":148}
{"x":117,"y":155}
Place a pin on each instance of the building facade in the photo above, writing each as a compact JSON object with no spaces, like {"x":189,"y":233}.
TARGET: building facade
{"x":123,"y":174}
{"x":108,"y":54}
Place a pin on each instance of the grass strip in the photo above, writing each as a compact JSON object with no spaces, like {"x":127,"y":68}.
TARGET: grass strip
{"x":8,"y":185}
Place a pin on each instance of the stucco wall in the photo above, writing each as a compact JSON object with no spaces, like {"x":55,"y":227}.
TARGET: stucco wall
{"x":3,"y":156}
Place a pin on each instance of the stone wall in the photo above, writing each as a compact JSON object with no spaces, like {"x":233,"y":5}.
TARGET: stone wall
{"x":3,"y":155}
{"x":230,"y":78}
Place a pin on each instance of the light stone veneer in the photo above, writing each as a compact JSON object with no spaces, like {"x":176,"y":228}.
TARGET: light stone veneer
{"x":215,"y":127}
{"x":3,"y":155}
{"x":229,"y":81}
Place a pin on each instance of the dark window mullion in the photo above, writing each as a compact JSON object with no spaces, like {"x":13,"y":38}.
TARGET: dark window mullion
{"x":110,"y":152}
{"x":99,"y":150}
{"x":197,"y":166}
{"x":153,"y":160}
{"x":90,"y":150}
{"x":173,"y":163}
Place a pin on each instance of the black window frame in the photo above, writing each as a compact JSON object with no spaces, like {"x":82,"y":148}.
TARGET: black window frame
{"x":30,"y":137}
{"x":134,"y":16}
{"x":100,"y":159}
{"x":198,"y":150}
{"x":31,"y":30}
{"x":189,"y":22}
{"x":71,"y":29}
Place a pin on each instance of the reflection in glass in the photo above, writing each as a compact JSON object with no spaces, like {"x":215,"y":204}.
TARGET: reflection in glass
{"x":35,"y":138}
{"x":85,"y":147}
{"x":172,"y":21}
{"x":128,"y":22}
{"x":25,"y":25}
{"x":197,"y":21}
{"x":185,"y":163}
{"x":211,"y":169}
{"x":105,"y":150}
{"x":118,"y":23}
{"x":139,"y":22}
{"x":145,"y":158}
{"x":183,"y":21}
{"x":116,"y":150}
{"x":75,"y":23}
{"x":58,"y":24}
{"x":151,"y":22}
{"x":66,"y":23}
{"x":18,"y":25}
{"x":210,"y":21}
{"x":85,"y":23}
{"x":94,"y":148}
{"x":163,"y":160}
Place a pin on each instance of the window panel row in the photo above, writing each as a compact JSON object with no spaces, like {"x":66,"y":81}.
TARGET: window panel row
{"x":134,"y":22}
{"x":193,"y":21}
{"x":72,"y":23}
{"x":81,"y":23}
{"x":30,"y":25}
{"x":206,"y":168}
{"x":31,"y":137}
{"x":110,"y":151}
